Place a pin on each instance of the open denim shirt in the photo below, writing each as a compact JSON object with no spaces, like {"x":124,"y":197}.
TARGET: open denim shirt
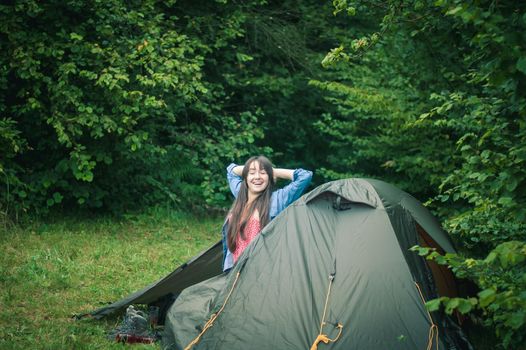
{"x":279,"y":200}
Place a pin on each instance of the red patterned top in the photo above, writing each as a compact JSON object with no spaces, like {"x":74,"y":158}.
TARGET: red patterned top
{"x":252,"y":229}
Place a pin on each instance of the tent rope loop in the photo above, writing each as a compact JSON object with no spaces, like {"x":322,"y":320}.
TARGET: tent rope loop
{"x":323,"y":337}
{"x":213,"y":317}
{"x":433,"y":329}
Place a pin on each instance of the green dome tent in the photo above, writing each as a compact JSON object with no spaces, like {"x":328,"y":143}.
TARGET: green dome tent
{"x":332,"y":271}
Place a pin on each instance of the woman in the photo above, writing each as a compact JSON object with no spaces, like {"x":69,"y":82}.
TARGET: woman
{"x":256,"y":202}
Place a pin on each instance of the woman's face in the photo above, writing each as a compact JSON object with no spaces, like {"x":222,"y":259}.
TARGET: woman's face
{"x":257,"y":178}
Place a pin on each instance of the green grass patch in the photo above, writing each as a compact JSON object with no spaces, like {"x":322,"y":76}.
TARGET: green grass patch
{"x":50,"y":271}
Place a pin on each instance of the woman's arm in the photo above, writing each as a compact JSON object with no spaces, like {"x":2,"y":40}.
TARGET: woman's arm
{"x":287,"y":174}
{"x":238,"y":170}
{"x":234,"y":179}
{"x":283,"y":197}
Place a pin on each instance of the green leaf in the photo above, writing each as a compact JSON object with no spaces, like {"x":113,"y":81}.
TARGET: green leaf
{"x":505,"y":201}
{"x":57,"y":197}
{"x":486,"y":297}
{"x":433,"y":305}
{"x":454,"y":11}
{"x":521,"y":64}
{"x":241,"y":57}
{"x":451,"y":305}
{"x":75,"y":36}
{"x":422,"y":251}
{"x":516,"y":320}
{"x":465,"y":306}
{"x":491,"y":257}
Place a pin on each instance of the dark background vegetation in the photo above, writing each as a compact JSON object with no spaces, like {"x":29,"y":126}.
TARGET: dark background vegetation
{"x":116,"y":106}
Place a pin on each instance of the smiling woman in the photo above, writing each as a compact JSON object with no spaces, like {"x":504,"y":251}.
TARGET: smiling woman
{"x":256,"y":202}
{"x":257,"y":179}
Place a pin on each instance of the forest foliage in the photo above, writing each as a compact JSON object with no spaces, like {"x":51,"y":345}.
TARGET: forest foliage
{"x":466,"y":133}
{"x":115,"y":106}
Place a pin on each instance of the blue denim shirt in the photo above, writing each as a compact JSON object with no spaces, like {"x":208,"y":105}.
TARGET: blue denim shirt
{"x":279,"y":200}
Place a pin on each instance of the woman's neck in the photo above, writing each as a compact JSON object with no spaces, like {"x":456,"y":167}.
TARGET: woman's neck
{"x":250,"y":202}
{"x":251,"y":197}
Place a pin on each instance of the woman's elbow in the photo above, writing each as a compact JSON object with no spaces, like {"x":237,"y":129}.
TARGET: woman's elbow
{"x":304,"y":176}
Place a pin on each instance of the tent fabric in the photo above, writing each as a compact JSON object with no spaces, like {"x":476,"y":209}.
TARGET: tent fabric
{"x":343,"y":229}
{"x":359,"y":231}
{"x":378,"y":193}
{"x":191,"y":307}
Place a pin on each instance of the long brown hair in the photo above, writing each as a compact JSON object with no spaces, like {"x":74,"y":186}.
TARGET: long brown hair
{"x":242,"y":211}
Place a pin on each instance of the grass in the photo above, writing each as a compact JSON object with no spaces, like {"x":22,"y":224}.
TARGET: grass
{"x":50,"y":271}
